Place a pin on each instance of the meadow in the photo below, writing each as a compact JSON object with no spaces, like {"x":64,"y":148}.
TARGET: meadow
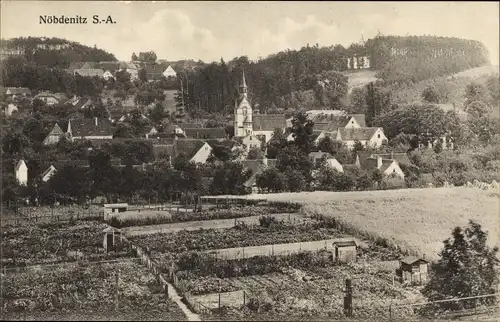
{"x":414,"y":220}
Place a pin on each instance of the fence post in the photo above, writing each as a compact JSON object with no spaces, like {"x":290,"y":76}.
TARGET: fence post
{"x":219,"y":300}
{"x":244,"y":298}
{"x":116,"y":294}
{"x":273,"y":249}
{"x":390,"y":311}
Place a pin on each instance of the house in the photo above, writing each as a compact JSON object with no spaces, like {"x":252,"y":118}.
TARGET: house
{"x":154,"y":72}
{"x":413,"y":270}
{"x":130,"y":68}
{"x":9,"y":109}
{"x":115,"y":208}
{"x":169,"y":72}
{"x":54,"y":135}
{"x":21,"y":171}
{"x":205,"y":133}
{"x":251,"y":141}
{"x":90,"y":129}
{"x":112,"y":235}
{"x":372,"y":137}
{"x":107,"y":75}
{"x":333,"y":163}
{"x":51,"y":98}
{"x":196,"y":151}
{"x":74,"y":66}
{"x":387,"y":166}
{"x":265,"y":124}
{"x":180,"y":127}
{"x":148,"y":130}
{"x":345,"y":251}
{"x":256,"y":167}
{"x":47,"y":174}
{"x":90,"y":72}
{"x":317,"y":158}
{"x":332,"y":122}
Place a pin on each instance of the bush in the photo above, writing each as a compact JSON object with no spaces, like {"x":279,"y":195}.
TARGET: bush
{"x":267,"y":221}
{"x":260,"y":302}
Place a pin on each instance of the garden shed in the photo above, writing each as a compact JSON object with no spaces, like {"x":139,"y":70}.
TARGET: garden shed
{"x":345,"y":251}
{"x":115,"y":207}
{"x":111,"y":237}
{"x":413,"y":270}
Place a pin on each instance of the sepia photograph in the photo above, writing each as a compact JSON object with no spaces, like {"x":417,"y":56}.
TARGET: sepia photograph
{"x":250,"y":161}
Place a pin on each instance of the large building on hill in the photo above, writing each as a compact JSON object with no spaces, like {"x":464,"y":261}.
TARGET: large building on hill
{"x":247,"y":123}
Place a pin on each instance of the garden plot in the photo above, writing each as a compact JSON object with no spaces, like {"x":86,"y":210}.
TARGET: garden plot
{"x":74,"y":292}
{"x":208,"y":224}
{"x":213,"y":239}
{"x":48,"y":244}
{"x":314,"y":292}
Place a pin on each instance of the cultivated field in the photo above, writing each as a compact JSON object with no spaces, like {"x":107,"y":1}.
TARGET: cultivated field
{"x":73,"y":292}
{"x":478,"y":72}
{"x":360,"y":78}
{"x":416,"y":219}
{"x":204,"y":224}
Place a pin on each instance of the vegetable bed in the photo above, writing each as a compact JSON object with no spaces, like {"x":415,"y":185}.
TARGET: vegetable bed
{"x":72,"y":291}
{"x":50,"y":243}
{"x":202,"y":240}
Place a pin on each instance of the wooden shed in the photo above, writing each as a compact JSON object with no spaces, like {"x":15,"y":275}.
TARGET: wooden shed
{"x":345,"y":251}
{"x":111,"y":237}
{"x":114,"y":208}
{"x":413,"y":270}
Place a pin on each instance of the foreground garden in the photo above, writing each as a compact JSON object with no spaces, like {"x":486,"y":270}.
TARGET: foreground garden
{"x":78,"y":292}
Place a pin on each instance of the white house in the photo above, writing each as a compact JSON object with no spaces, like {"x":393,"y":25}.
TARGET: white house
{"x":195,"y":150}
{"x":333,"y":163}
{"x":107,"y":75}
{"x":11,"y":108}
{"x":251,"y":141}
{"x":47,"y":174}
{"x":372,"y":137}
{"x":169,"y":72}
{"x":388,"y":164}
{"x":22,"y":173}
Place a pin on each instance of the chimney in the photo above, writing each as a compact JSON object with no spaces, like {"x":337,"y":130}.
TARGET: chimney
{"x":392,"y":155}
{"x":379,"y":162}
{"x":95,"y":119}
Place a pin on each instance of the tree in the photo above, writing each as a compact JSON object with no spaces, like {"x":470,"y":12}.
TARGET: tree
{"x":148,"y":57}
{"x":255,"y":154}
{"x":277,"y":143}
{"x":229,"y":178}
{"x":134,"y":57}
{"x":302,"y":131}
{"x":70,"y":182}
{"x":292,"y":158}
{"x":466,"y":268}
{"x":272,"y":180}
{"x":142,"y":75}
{"x":430,"y":95}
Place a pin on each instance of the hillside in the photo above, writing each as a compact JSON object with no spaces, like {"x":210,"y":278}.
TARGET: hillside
{"x":52,"y":52}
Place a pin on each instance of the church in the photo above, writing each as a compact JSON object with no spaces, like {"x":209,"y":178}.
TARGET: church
{"x":248,"y":124}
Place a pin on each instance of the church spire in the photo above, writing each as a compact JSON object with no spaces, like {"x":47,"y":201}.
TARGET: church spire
{"x":243,"y":86}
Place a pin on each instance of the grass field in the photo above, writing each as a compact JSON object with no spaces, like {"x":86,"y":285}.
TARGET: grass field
{"x":415,"y":219}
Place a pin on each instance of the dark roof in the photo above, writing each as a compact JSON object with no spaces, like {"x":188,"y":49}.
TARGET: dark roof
{"x":319,"y":155}
{"x":272,"y":162}
{"x":264,"y":122}
{"x":227,"y":143}
{"x":360,"y":118}
{"x":412,"y":260}
{"x":146,"y":129}
{"x":339,"y":120}
{"x":76,"y":163}
{"x":75,"y":65}
{"x":153,"y":71}
{"x":364,"y":133}
{"x":188,"y":147}
{"x":163,"y":148}
{"x":190,"y":125}
{"x":400,"y":157}
{"x":18,"y":90}
{"x":205,"y":133}
{"x":88,"y":127}
{"x":346,"y":243}
{"x":112,"y":66}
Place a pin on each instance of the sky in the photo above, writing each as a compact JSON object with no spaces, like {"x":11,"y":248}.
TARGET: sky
{"x":213,"y":30}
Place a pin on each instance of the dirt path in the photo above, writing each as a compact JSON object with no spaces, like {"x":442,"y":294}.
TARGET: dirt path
{"x":204,"y":224}
{"x":174,"y":296}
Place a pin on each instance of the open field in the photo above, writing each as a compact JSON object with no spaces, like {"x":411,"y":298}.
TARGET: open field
{"x":415,"y":219}
{"x":478,"y":72}
{"x":205,"y":224}
{"x":80,"y":293}
{"x":50,"y":243}
{"x":360,"y":78}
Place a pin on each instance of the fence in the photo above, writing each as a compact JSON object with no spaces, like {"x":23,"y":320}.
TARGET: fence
{"x":28,"y":215}
{"x":212,"y":301}
{"x":274,"y":249}
{"x":452,"y":308}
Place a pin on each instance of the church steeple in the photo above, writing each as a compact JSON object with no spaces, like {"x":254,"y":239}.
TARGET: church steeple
{"x":243,"y":86}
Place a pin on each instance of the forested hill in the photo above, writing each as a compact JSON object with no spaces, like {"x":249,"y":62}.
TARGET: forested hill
{"x":275,"y":80}
{"x":53,"y":52}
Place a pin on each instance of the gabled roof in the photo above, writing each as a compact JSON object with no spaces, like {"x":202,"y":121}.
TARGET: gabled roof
{"x":360,"y":118}
{"x":188,"y":147}
{"x":111,"y":66}
{"x":88,"y":127}
{"x":319,"y":155}
{"x":190,"y":125}
{"x":265,"y":122}
{"x":164,"y":148}
{"x":18,"y":90}
{"x":89,"y":72}
{"x":49,"y":169}
{"x":400,"y":157}
{"x":346,"y":243}
{"x":227,"y":143}
{"x":58,"y":96}
{"x":353,"y":134}
{"x":205,"y":133}
{"x":386,"y":163}
{"x":75,"y":65}
{"x":412,"y":260}
{"x":19,"y":164}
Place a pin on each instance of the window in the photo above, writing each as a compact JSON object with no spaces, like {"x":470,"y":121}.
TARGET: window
{"x":394,"y":170}
{"x":352,"y":122}
{"x":378,"y":136}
